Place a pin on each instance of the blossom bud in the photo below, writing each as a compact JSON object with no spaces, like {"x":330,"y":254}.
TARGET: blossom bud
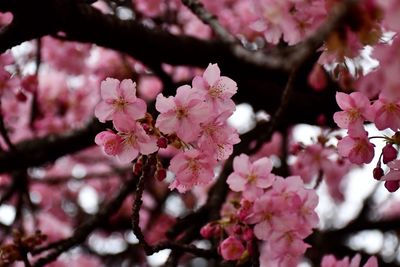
{"x":21,"y":97}
{"x":231,"y":248}
{"x":377,"y":173}
{"x":162,"y":142}
{"x":161,"y":174}
{"x":147,"y":128}
{"x":389,"y":153}
{"x":392,"y":186}
{"x":208,"y":230}
{"x":248,"y":234}
{"x":237,"y":229}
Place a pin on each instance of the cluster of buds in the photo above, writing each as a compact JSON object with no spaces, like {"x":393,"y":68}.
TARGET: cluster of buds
{"x":388,"y":156}
{"x":235,"y":238}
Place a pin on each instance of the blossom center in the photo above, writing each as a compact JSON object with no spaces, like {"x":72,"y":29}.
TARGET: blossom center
{"x":181,"y":113}
{"x":193,"y":166}
{"x":120,"y":103}
{"x":129,"y":138}
{"x":215,"y":92}
{"x":354,"y":114}
{"x":251,"y":178}
{"x":391,"y":107}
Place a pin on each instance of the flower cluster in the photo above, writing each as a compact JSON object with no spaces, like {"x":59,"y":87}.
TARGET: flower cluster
{"x":356,"y":146}
{"x":319,"y":160}
{"x":280,"y":212}
{"x":194,"y":121}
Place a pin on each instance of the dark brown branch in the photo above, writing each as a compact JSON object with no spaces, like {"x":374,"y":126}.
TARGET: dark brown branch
{"x":148,"y":172}
{"x":47,"y":149}
{"x":4,"y":133}
{"x":210,"y":19}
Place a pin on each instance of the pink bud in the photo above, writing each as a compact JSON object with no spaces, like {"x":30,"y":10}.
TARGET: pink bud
{"x":378,"y":173}
{"x":389,"y":153}
{"x":392,"y":186}
{"x":296,"y":148}
{"x":207,"y":230}
{"x":30,"y":83}
{"x":113,"y":146}
{"x":231,"y":248}
{"x":147,"y":128}
{"x":248,"y":234}
{"x":237,"y":229}
{"x":21,"y":97}
{"x":317,"y":78}
{"x":162,"y":142}
{"x":161,"y":174}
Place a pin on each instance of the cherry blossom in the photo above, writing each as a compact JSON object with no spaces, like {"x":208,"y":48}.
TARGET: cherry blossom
{"x":218,"y":138}
{"x":119,"y":101}
{"x":386,"y":112}
{"x":182,"y":114}
{"x":131,"y":140}
{"x":251,"y":178}
{"x":357,"y":149}
{"x":355,"y":108}
{"x":218,"y":89}
{"x":191,"y":168}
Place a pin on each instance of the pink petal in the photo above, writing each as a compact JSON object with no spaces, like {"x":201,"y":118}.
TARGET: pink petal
{"x":136,"y":110}
{"x":372,"y":262}
{"x":344,"y":101}
{"x":127,"y":154}
{"x":341,"y":118}
{"x":241,"y":164}
{"x":103,"y":111}
{"x":199,"y":83}
{"x":212,"y":74}
{"x":262,"y":166}
{"x":124,"y":124}
{"x":164,"y":104}
{"x":227,"y":85}
{"x":236,"y":182}
{"x":167,"y":122}
{"x":128,"y":90}
{"x":108,"y":88}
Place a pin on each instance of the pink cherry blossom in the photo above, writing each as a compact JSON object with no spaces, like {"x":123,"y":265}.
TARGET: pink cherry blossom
{"x":218,"y":138}
{"x":250,"y":178}
{"x":386,"y":113}
{"x":354,"y":112}
{"x":394,"y":171}
{"x":218,"y":89}
{"x":111,"y":142}
{"x":191,"y":168}
{"x":135,"y":140}
{"x":357,"y":149}
{"x":119,"y":101}
{"x":231,"y":248}
{"x":182,"y":114}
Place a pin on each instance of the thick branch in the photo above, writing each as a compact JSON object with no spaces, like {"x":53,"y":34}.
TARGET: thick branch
{"x":47,"y":149}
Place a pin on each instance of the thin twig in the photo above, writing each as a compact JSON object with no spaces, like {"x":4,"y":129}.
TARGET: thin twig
{"x":208,"y":18}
